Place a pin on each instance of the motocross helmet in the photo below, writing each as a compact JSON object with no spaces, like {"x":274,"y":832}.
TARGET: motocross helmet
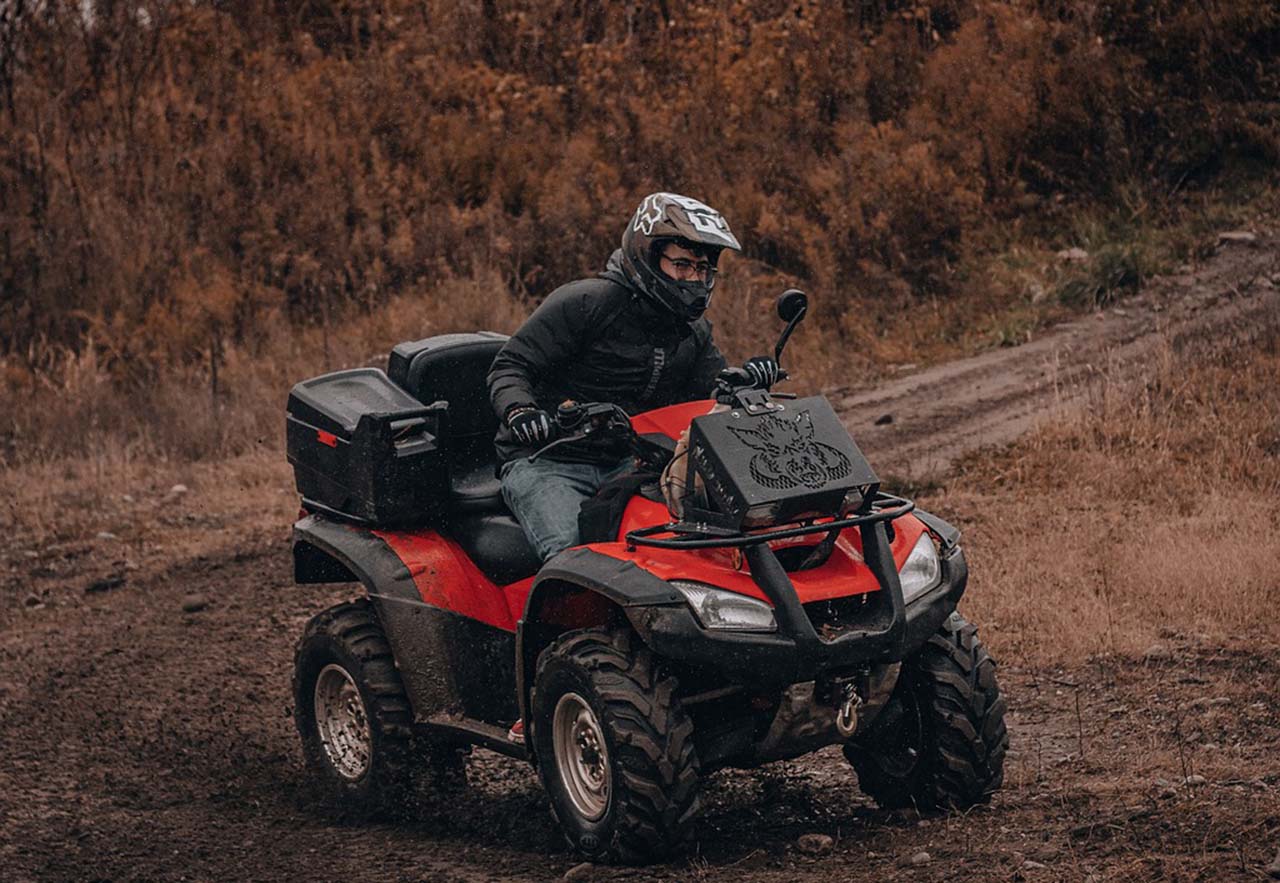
{"x":668,"y":217}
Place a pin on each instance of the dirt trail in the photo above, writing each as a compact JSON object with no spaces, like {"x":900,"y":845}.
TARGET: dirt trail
{"x":916,"y":425}
{"x":139,"y":740}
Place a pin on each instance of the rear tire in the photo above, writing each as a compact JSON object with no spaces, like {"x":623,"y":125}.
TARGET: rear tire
{"x":614,"y":747}
{"x":354,"y":717}
{"x":941,"y":741}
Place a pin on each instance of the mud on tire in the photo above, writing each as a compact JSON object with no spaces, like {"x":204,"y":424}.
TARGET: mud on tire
{"x":597,"y":684}
{"x":354,"y":717}
{"x":941,"y":742}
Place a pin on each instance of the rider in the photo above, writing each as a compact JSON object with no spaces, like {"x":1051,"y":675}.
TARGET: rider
{"x":635,"y":336}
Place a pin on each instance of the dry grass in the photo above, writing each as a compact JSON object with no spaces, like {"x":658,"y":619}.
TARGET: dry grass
{"x":180,"y":175}
{"x":71,"y":522}
{"x":86,"y":454}
{"x":176,"y":417}
{"x":1149,"y":515}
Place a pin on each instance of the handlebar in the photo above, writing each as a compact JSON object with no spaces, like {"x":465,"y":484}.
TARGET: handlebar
{"x":731,"y":381}
{"x":576,"y":421}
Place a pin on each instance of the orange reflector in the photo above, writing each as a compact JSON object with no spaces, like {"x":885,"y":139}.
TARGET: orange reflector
{"x":326,"y":438}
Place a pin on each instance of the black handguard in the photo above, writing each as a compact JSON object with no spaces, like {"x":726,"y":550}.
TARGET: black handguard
{"x":736,"y":387}
{"x":730,"y":380}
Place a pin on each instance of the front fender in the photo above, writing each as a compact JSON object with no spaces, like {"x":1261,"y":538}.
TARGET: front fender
{"x":622,"y":582}
{"x":623,"y":586}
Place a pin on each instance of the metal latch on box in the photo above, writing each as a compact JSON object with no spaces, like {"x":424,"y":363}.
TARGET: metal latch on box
{"x":757,"y":401}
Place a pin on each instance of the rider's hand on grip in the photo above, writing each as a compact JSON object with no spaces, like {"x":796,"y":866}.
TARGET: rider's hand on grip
{"x":764,"y":371}
{"x":733,"y":378}
{"x":530,"y":426}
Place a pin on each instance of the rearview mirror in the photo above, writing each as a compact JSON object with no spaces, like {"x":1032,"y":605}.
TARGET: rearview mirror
{"x":792,"y":303}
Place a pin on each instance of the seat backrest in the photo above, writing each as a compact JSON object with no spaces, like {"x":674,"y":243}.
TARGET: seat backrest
{"x":453,"y":367}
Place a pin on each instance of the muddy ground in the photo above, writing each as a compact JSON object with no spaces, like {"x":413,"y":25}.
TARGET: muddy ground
{"x":142,"y":740}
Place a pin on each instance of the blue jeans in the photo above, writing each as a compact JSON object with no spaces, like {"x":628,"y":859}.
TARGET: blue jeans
{"x":545,"y":497}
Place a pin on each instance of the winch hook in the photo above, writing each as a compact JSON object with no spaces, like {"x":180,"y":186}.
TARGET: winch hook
{"x":847,"y":712}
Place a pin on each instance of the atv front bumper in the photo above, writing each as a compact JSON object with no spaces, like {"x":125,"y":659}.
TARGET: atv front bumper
{"x":796,"y":652}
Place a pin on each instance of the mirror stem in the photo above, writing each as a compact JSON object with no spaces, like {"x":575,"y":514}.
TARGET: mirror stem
{"x":786,"y":333}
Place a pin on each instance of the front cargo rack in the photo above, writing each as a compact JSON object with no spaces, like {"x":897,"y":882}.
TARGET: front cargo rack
{"x":883,"y":507}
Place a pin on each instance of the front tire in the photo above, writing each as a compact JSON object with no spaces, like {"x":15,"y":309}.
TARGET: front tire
{"x":354,"y":717}
{"x":941,"y":741}
{"x":614,"y":747}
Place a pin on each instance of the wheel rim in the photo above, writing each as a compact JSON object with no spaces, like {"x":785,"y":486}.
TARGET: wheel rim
{"x":342,"y":723}
{"x":582,"y":757}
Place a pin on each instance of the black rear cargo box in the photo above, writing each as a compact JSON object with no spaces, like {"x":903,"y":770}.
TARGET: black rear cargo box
{"x":364,"y":449}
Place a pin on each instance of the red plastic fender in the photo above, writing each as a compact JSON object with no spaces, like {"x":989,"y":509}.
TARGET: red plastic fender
{"x":447,"y":579}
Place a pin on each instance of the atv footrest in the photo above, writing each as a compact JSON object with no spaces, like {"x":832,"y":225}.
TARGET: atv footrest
{"x":475,"y":732}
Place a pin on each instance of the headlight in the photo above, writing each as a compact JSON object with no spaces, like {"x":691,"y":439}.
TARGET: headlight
{"x":726,"y":611}
{"x":921,"y":571}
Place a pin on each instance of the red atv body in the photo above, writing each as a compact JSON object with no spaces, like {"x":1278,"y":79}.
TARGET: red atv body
{"x":636,"y":666}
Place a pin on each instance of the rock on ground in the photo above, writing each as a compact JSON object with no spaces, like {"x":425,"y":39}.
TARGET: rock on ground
{"x":815,"y":844}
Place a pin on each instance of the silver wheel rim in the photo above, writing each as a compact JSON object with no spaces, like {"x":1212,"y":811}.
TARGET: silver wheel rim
{"x":342,"y":723}
{"x":581,"y":756}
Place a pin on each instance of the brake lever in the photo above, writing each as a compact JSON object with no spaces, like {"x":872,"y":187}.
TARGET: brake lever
{"x":577,"y":436}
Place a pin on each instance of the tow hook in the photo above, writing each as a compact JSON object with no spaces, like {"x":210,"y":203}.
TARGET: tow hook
{"x":847,"y":712}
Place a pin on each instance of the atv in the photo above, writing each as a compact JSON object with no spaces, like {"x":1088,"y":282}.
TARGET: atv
{"x":792,"y":605}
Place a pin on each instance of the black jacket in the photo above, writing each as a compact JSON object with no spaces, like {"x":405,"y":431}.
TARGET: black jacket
{"x":599,"y":340}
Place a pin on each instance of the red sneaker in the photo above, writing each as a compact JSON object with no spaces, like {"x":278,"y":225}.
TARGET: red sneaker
{"x":516,"y":733}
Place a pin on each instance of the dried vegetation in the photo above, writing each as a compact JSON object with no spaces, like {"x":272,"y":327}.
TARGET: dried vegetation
{"x":201,"y":202}
{"x":1150,"y":514}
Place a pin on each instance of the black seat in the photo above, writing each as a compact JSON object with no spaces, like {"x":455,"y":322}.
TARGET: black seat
{"x":477,"y":489}
{"x":496,"y":543}
{"x":454,"y":367}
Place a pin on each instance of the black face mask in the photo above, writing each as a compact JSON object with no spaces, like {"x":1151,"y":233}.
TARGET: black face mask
{"x":693,"y":297}
{"x":685,"y":300}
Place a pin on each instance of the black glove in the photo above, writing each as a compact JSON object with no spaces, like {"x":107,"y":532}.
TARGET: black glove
{"x":764,"y":371}
{"x":531,"y":426}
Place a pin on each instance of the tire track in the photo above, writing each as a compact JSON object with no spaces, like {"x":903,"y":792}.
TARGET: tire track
{"x":916,"y":426}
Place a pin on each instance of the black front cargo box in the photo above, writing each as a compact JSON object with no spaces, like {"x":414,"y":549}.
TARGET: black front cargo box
{"x":793,"y":462}
{"x":365,"y":450}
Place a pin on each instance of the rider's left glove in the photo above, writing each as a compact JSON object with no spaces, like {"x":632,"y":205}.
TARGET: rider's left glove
{"x":763,"y":370}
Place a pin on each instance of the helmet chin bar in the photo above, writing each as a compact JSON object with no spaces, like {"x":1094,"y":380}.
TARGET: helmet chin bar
{"x":688,"y":299}
{"x":695,"y":297}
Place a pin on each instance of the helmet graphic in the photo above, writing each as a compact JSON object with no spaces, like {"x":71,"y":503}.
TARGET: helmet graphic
{"x":663,"y":218}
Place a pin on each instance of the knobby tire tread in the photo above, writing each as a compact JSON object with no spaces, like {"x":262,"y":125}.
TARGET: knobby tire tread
{"x":964,"y":740}
{"x":653,"y":738}
{"x":399,"y":761}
